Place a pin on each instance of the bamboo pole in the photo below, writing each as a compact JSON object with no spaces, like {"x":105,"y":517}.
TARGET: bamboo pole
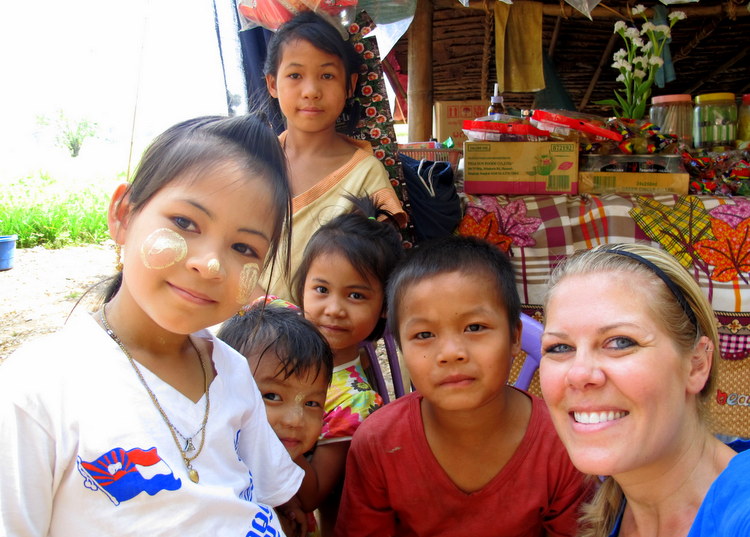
{"x":605,"y":59}
{"x":599,"y":12}
{"x":420,"y":73}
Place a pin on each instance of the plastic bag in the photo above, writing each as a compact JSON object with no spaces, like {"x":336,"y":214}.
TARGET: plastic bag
{"x":271,"y":14}
{"x":502,"y":128}
{"x":584,"y":6}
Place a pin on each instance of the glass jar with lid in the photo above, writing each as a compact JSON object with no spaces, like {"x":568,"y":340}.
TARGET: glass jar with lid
{"x":673,"y":114}
{"x":743,"y":123}
{"x":715,"y":121}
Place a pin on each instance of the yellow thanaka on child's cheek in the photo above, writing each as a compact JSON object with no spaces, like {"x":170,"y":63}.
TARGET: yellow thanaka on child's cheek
{"x":163,"y":248}
{"x":248,"y":280}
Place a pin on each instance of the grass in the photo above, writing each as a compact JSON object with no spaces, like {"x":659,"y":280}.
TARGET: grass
{"x":54,"y":213}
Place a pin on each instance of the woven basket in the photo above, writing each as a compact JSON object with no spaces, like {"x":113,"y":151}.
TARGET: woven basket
{"x":450,"y":155}
{"x":729,"y":406}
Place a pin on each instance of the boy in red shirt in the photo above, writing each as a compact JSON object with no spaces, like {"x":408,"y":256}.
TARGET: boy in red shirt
{"x":465,"y":454}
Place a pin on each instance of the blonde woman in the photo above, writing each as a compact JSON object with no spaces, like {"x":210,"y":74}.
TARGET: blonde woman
{"x":629,"y":348}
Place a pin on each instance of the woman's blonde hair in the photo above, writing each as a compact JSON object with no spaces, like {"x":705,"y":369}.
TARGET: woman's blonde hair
{"x":676,"y":299}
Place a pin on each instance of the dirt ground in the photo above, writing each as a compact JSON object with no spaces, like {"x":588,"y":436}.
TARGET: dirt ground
{"x":43,"y":286}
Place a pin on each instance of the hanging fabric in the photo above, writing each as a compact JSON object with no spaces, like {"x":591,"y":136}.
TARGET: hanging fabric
{"x":518,"y":46}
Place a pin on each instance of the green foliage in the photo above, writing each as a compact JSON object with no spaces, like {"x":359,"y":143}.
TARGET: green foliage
{"x":70,"y":133}
{"x":41,"y":213}
{"x":639,"y":62}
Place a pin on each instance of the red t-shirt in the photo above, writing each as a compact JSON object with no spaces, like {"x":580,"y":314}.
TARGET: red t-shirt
{"x":395,"y":487}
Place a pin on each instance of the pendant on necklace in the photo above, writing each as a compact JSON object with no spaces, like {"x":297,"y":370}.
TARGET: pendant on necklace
{"x":193,"y":474}
{"x":189,"y":445}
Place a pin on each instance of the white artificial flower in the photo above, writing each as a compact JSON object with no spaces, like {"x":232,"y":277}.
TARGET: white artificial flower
{"x":677,"y":16}
{"x":663,"y":29}
{"x":656,"y":60}
{"x":620,"y":26}
{"x":622,"y":65}
{"x":620,"y":78}
{"x":647,"y":47}
{"x":640,"y":60}
{"x":631,"y":33}
{"x":638,"y":42}
{"x":639,"y":74}
{"x":637,"y":10}
{"x":648,"y":25}
{"x":619,"y":55}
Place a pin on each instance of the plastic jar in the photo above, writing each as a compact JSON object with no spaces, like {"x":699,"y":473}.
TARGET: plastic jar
{"x":673,"y":114}
{"x":715,"y":121}
{"x":743,"y":122}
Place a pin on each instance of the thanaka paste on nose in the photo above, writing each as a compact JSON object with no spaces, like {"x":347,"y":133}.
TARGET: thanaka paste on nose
{"x":248,"y":280}
{"x":163,"y":248}
{"x":298,"y":408}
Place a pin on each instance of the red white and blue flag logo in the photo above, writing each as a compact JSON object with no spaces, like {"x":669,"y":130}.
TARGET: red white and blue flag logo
{"x":123,"y":474}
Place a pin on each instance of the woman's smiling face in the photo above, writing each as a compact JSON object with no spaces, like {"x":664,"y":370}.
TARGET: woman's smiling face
{"x":615,"y":383}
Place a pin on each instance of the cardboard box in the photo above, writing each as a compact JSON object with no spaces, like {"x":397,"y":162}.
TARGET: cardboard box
{"x":520,"y":168}
{"x":450,"y":115}
{"x":633,"y":183}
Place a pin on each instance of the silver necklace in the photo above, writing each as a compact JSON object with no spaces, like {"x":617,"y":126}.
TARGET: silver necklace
{"x":189,"y":447}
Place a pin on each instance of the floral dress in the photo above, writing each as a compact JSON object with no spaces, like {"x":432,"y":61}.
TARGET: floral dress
{"x":349,"y":401}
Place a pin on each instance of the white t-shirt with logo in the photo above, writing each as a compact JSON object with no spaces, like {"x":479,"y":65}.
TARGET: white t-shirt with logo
{"x":86,"y":452}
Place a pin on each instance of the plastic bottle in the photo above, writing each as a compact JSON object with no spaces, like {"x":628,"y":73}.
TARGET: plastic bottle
{"x":715,"y":122}
{"x":496,"y":104}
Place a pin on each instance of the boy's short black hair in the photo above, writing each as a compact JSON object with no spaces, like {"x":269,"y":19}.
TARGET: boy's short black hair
{"x":472,"y":256}
{"x":300,"y":347}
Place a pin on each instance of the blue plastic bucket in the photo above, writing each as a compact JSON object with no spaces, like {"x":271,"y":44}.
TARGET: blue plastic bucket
{"x":7,"y":251}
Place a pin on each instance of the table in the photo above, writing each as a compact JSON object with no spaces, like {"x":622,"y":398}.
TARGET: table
{"x":709,"y":235}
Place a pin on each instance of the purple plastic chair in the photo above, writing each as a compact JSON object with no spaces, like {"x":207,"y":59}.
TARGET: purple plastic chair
{"x":392,"y":355}
{"x":531,"y":344}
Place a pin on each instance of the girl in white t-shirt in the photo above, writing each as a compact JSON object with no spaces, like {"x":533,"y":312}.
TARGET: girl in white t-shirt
{"x":134,"y":419}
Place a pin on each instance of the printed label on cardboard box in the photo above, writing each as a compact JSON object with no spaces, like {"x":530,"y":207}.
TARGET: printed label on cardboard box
{"x":520,"y":168}
{"x":450,"y":116}
{"x":633,"y":182}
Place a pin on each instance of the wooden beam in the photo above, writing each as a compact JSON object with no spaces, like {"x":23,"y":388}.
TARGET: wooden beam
{"x":419,"y":62}
{"x":553,"y":39}
{"x":702,"y":34}
{"x":723,"y":67}
{"x":605,"y":59}
{"x":602,"y":12}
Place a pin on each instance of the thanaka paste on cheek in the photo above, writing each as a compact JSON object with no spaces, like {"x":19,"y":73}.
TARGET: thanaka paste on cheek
{"x":163,"y":248}
{"x":248,"y":280}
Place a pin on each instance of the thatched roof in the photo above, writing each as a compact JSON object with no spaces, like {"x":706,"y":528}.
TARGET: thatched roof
{"x":711,"y":51}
